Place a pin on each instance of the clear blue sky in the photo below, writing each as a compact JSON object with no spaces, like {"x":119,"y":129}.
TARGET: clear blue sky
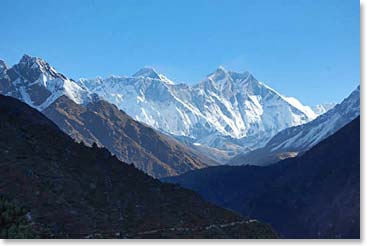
{"x":308,"y":49}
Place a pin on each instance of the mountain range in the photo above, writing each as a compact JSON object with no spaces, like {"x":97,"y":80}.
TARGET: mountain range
{"x":64,"y":170}
{"x":228,"y":117}
{"x":68,"y":190}
{"x":86,"y":117}
{"x":228,"y":112}
{"x":316,"y":195}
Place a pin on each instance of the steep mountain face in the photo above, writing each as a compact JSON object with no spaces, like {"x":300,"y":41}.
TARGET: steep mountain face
{"x":227,"y":111}
{"x":36,"y":83}
{"x":148,"y":72}
{"x":323,"y":108}
{"x":73,"y":191}
{"x":315,"y":195}
{"x":295,"y":140}
{"x":133,"y":142}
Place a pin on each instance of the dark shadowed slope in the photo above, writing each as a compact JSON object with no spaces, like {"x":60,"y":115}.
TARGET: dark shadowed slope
{"x":312,"y":196}
{"x":131,"y":141}
{"x":71,"y":190}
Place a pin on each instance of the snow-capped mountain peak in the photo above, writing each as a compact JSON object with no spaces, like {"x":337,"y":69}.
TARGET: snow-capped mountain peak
{"x":223,"y":75}
{"x":34,"y":63}
{"x":3,"y":66}
{"x":323,"y":108}
{"x":31,"y":68}
{"x":38,"y":84}
{"x":30,"y":60}
{"x":219,"y":74}
{"x":149,"y":72}
{"x":227,"y":82}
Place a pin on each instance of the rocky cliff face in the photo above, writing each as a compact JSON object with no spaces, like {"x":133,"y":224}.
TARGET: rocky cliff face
{"x":133,"y":142}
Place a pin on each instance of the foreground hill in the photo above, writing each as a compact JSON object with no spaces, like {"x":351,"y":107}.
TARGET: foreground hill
{"x":73,"y":191}
{"x":133,"y":142}
{"x":312,"y":196}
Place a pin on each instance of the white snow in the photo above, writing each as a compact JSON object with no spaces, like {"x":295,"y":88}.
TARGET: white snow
{"x":322,"y":108}
{"x":229,"y":104}
{"x":307,"y":135}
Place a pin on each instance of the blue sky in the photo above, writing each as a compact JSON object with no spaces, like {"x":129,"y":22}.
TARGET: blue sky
{"x":308,"y":49}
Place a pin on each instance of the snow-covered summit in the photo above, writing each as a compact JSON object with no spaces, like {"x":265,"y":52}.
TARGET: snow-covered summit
{"x":3,"y":66}
{"x":38,"y":84}
{"x":38,"y":65}
{"x":149,"y":72}
{"x":32,"y":61}
{"x":320,"y":109}
{"x":221,"y":74}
